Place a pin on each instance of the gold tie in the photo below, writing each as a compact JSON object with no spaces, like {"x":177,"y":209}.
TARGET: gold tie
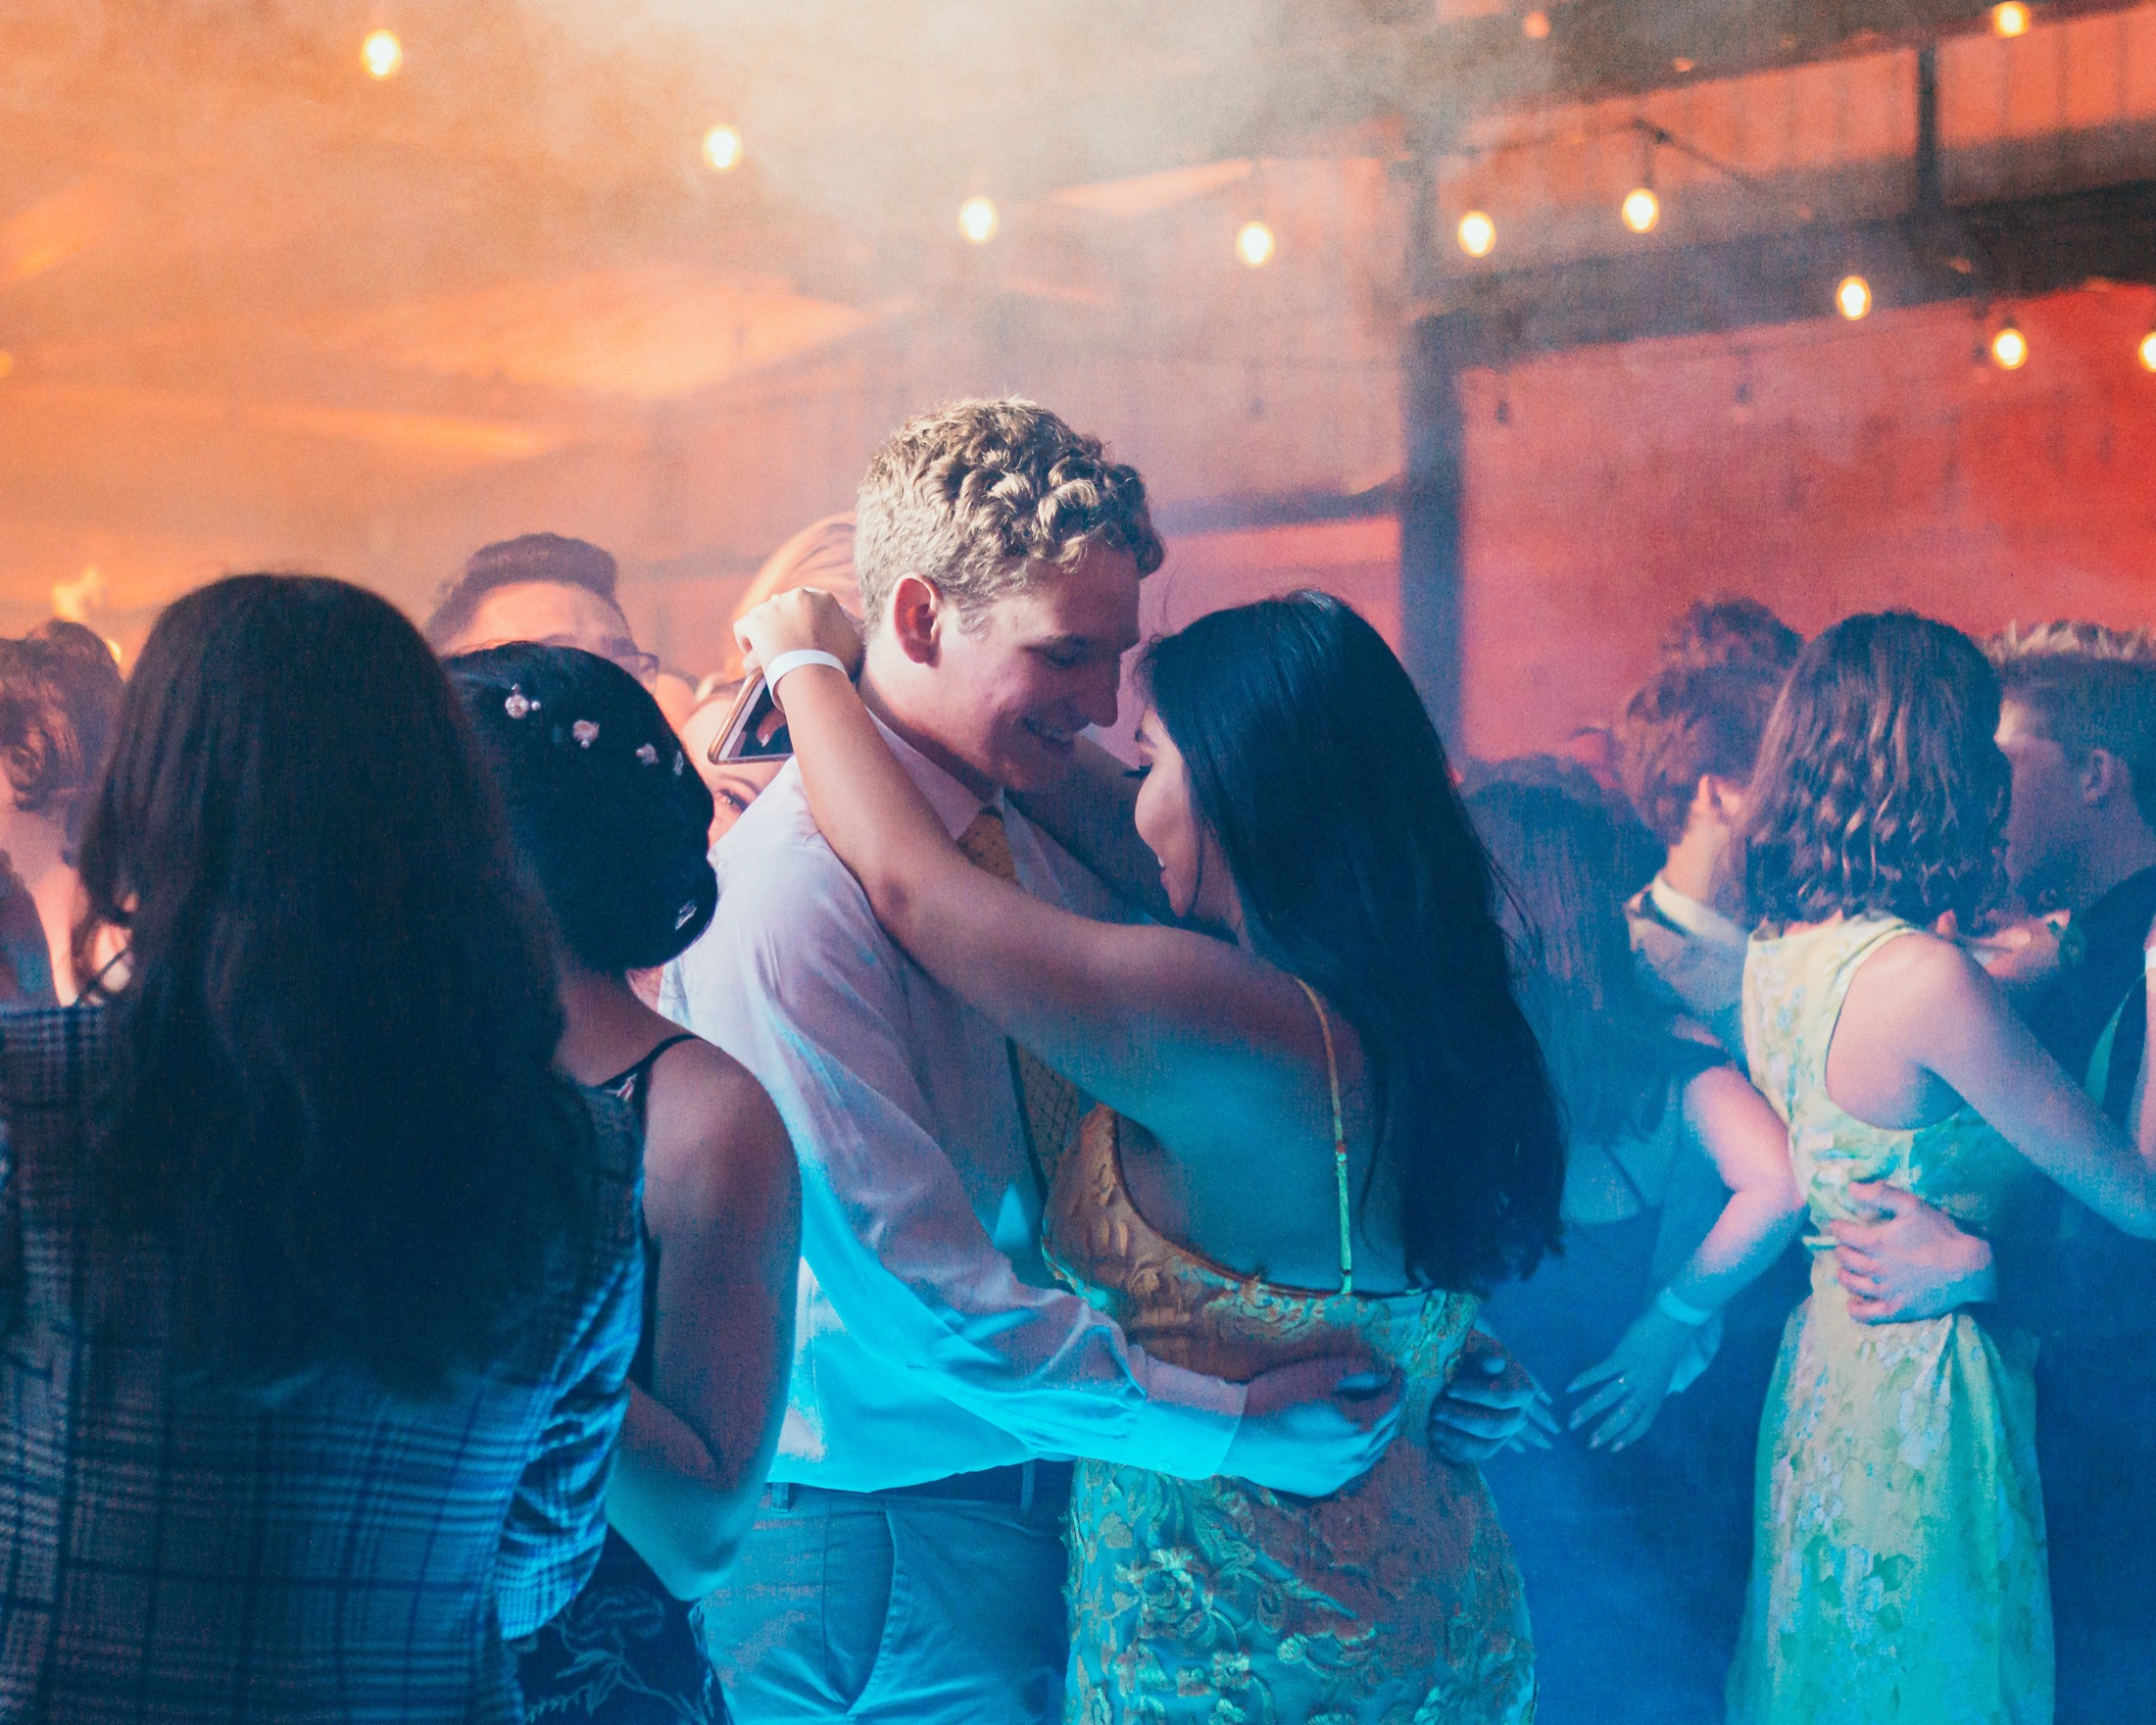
{"x":1049,"y":1104}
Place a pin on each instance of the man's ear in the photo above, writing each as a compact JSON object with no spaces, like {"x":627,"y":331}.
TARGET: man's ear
{"x":916,"y":612}
{"x":2104,"y":777}
{"x":1725,"y":797}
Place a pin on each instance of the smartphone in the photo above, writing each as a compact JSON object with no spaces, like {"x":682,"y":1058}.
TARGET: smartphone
{"x":755,"y":728}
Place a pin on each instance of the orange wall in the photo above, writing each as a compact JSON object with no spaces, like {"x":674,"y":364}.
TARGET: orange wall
{"x":1874,"y":465}
{"x":1823,"y":468}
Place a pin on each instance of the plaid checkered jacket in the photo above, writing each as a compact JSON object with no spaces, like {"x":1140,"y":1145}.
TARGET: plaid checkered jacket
{"x":171,"y":1552}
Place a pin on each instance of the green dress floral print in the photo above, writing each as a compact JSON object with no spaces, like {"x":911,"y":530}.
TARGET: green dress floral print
{"x":1898,"y":1566}
{"x":1394,"y":1601}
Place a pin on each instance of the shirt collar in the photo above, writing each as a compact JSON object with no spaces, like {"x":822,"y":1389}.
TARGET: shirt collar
{"x":1700,"y":921}
{"x":954,"y":804}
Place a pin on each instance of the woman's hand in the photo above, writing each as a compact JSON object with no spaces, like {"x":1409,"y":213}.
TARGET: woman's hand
{"x":1492,"y":1405}
{"x":808,"y":619}
{"x":1635,"y":1380}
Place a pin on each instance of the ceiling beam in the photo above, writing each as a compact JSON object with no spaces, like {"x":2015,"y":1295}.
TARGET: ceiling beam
{"x":1435,"y":78}
{"x":1994,"y":251}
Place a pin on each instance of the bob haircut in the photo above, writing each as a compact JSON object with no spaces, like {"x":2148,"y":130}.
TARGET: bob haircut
{"x":1314,"y":763}
{"x":332,"y":1097}
{"x":609,"y":822}
{"x":1879,"y":789}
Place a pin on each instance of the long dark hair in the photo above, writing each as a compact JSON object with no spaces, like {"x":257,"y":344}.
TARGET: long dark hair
{"x":1568,"y":858}
{"x":1878,"y":786}
{"x":332,"y":1097}
{"x":1314,"y":763}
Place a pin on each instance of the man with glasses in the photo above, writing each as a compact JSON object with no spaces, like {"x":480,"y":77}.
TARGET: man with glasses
{"x":544,"y":588}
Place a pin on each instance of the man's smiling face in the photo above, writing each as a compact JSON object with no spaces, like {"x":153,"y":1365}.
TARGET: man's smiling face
{"x":1021,"y":677}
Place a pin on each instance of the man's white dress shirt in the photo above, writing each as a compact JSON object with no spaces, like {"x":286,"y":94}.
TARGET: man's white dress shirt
{"x":930,"y":1340}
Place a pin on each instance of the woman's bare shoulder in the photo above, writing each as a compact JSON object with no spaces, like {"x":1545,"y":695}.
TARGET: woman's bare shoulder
{"x":1922,"y":995}
{"x":1920,"y":967}
{"x":711,"y":1126}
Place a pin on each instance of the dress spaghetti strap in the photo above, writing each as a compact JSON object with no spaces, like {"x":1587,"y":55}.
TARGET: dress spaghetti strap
{"x":1340,"y":1143}
{"x":632,"y":1084}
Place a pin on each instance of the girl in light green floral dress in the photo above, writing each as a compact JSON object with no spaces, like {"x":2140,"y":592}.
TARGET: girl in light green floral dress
{"x":1898,"y":1573}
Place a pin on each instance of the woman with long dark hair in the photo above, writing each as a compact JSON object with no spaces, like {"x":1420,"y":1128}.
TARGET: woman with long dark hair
{"x":1898,"y":1567}
{"x":1644,"y":1102}
{"x":1324,"y":1128}
{"x":610,"y":824}
{"x":319,"y":1281}
{"x":1678,"y":1196}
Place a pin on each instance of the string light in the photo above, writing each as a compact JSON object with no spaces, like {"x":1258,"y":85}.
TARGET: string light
{"x":1640,"y":210}
{"x":978,"y":221}
{"x":1478,"y":234}
{"x":722,"y":149}
{"x":2010,"y":19}
{"x":1254,"y":245}
{"x":1853,"y":296}
{"x":1534,"y":26}
{"x":2147,"y":350}
{"x":2009,"y":349}
{"x":381,"y":54}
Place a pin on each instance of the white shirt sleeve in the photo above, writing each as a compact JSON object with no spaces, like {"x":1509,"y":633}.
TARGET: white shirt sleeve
{"x":798,"y":982}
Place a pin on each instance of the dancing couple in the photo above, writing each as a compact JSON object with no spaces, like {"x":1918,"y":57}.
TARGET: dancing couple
{"x":1181,"y":1163}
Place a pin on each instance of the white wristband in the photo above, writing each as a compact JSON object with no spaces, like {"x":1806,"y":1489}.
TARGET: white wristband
{"x":1691,"y":1317}
{"x":794,"y":660}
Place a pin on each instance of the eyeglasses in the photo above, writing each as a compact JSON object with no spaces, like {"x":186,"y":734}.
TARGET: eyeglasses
{"x":642,"y":666}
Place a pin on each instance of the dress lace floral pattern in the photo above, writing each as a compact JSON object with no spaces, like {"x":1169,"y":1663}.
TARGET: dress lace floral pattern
{"x":1393,"y":1603}
{"x":1898,"y":1568}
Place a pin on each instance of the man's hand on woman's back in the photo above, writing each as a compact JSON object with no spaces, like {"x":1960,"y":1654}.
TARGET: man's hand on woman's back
{"x":1911,"y":1262}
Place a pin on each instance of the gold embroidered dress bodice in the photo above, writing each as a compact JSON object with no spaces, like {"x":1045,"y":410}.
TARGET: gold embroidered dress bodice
{"x":1395,"y":1601}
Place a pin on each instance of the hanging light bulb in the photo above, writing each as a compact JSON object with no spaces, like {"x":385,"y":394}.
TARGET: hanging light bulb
{"x":1256,"y":245}
{"x":2147,"y":350}
{"x":1640,"y":210}
{"x":2009,"y":349}
{"x":2010,"y":19}
{"x":978,"y":221}
{"x":722,"y":149}
{"x":1534,"y":26}
{"x":1478,"y":234}
{"x":381,"y":54}
{"x":1853,"y":296}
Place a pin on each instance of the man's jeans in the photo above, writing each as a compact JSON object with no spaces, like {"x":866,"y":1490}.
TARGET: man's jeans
{"x":891,"y":1608}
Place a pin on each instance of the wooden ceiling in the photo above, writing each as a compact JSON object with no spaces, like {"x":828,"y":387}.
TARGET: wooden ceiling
{"x":256,"y":304}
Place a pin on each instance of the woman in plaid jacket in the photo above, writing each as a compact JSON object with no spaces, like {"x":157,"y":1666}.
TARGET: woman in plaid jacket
{"x":318,"y":1285}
